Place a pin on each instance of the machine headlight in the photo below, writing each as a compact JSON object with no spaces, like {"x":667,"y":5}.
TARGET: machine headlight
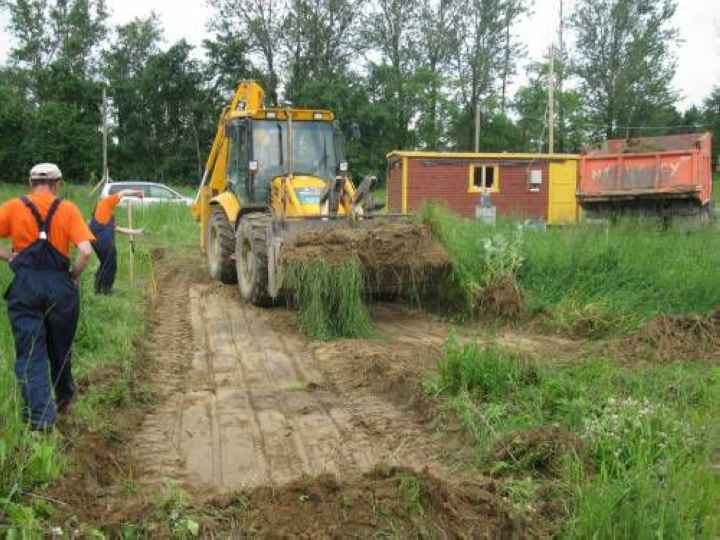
{"x":343,"y":167}
{"x":271,"y":115}
{"x":318,"y":116}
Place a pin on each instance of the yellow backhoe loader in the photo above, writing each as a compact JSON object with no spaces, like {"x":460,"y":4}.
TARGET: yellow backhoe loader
{"x":276,"y":177}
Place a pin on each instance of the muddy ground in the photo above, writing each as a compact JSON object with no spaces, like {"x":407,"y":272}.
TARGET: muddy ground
{"x":270,"y":434}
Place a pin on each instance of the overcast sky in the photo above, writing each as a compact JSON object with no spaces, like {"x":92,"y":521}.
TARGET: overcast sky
{"x":698,"y":21}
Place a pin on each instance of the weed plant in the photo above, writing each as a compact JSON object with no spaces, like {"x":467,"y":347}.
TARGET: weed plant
{"x":482,"y":256}
{"x":330,"y":299}
{"x":649,"y":436}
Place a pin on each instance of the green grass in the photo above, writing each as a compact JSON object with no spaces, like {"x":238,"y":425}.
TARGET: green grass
{"x":649,"y":437}
{"x":109,"y":331}
{"x":601,"y":280}
{"x":330,"y":299}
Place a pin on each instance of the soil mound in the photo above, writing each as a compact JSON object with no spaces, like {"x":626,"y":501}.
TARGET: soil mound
{"x":393,"y":501}
{"x":501,"y":300}
{"x":396,"y":257}
{"x":540,"y":451}
{"x":672,"y":338}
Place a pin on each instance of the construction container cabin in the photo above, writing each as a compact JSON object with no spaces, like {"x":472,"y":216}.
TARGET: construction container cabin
{"x":540,"y":187}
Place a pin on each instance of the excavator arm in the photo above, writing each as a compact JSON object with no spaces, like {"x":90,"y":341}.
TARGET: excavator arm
{"x":248,"y":96}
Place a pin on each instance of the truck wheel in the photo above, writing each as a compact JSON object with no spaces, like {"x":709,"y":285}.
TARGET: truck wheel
{"x":251,"y":259}
{"x":221,"y":247}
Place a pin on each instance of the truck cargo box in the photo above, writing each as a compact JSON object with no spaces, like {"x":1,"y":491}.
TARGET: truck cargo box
{"x":654,"y":175}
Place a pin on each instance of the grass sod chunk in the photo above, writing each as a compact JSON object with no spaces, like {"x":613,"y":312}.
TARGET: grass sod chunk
{"x":330,"y":299}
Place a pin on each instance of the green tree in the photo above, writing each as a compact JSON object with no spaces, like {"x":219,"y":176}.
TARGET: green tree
{"x":259,"y":23}
{"x":55,"y":63}
{"x":531,"y":105}
{"x":164,"y":114}
{"x":482,"y":60}
{"x":624,"y":60}
{"x":711,"y":111}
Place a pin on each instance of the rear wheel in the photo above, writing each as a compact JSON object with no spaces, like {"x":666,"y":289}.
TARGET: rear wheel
{"x":221,"y":247}
{"x":251,"y":258}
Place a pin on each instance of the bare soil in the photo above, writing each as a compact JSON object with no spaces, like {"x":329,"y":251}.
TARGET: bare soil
{"x":385,"y":502}
{"x":273,"y":435}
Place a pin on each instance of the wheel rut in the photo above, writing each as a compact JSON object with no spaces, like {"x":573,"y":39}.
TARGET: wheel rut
{"x":246,"y":402}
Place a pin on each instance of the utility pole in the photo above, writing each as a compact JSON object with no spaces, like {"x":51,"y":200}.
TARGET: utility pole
{"x":477,"y":126}
{"x":551,"y":102}
{"x":561,"y":81}
{"x":106,"y":172}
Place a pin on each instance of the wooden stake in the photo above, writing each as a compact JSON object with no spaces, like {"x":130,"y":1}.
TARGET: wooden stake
{"x":132,"y":243}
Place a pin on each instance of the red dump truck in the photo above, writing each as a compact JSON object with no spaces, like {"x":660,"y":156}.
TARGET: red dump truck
{"x":663,"y":177}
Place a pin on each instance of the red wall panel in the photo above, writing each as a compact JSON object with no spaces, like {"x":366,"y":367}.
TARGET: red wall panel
{"x":446,"y":180}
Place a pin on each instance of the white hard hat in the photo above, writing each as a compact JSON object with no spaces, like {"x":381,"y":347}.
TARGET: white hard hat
{"x":45,"y":171}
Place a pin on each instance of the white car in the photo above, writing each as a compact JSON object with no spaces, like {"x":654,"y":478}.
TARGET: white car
{"x":154,"y":193}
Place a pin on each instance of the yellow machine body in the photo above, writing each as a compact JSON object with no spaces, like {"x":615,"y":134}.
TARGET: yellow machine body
{"x":284,"y":202}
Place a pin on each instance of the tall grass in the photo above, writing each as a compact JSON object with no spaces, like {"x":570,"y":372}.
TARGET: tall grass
{"x":649,"y":437}
{"x":598,"y":280}
{"x":482,"y":257}
{"x":329,"y":297}
{"x":109,"y":331}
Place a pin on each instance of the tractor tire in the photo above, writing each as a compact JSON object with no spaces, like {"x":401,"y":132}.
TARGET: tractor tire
{"x":221,"y":247}
{"x":251,"y":259}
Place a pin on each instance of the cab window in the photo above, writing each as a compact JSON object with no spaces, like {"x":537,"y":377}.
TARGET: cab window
{"x":238,"y":166}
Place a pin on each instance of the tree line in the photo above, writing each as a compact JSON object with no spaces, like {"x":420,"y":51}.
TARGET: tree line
{"x":398,"y":74}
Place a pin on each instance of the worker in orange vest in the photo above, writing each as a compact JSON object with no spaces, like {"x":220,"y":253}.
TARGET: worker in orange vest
{"x":103,"y":227}
{"x":43,"y":299}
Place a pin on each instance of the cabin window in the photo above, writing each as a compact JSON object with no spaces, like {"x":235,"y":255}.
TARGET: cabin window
{"x":484,"y":178}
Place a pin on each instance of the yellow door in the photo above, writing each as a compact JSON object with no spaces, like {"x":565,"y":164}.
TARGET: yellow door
{"x":563,"y":187}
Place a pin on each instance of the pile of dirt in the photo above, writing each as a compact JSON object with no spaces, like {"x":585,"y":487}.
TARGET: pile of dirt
{"x":396,"y":256}
{"x":383,"y":367}
{"x":672,"y":338}
{"x":541,"y":451}
{"x":502,"y":299}
{"x":393,"y":501}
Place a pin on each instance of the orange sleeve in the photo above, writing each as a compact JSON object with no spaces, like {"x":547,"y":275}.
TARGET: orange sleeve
{"x":5,"y":219}
{"x":105,"y":208}
{"x":79,"y":230}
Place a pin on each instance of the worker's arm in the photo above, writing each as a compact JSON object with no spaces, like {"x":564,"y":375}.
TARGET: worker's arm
{"x":130,"y":232}
{"x":82,"y":260}
{"x":6,"y":254}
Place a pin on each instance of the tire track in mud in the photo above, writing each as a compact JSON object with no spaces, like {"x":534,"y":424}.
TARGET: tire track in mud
{"x":247,"y":403}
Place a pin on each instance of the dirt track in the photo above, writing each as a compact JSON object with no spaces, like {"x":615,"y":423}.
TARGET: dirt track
{"x":258,"y":406}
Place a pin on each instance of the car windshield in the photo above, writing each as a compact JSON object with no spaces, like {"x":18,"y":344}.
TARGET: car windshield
{"x":317,"y":148}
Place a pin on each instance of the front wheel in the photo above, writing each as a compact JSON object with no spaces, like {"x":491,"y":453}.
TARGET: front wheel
{"x":251,"y":259}
{"x":221,"y":247}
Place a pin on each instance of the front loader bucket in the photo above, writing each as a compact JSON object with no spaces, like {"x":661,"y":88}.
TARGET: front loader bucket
{"x":397,"y":257}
